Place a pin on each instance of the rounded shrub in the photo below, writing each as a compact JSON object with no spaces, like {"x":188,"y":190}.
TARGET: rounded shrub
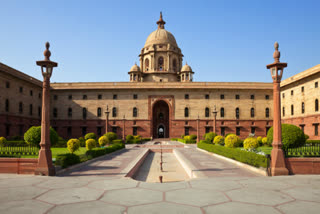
{"x":250,"y":143}
{"x":90,"y":144}
{"x":210,"y":136}
{"x":292,"y":136}
{"x":129,"y":137}
{"x":219,"y":140}
{"x":264,"y":141}
{"x":33,"y":136}
{"x":193,"y":137}
{"x":187,"y":137}
{"x":111,"y":136}
{"x":73,"y":145}
{"x":90,"y":136}
{"x":3,"y":141}
{"x":82,"y":142}
{"x":182,"y":136}
{"x":103,"y":140}
{"x":137,"y":137}
{"x":259,"y":139}
{"x":232,"y":141}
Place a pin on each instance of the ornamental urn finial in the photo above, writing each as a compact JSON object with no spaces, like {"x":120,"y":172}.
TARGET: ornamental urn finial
{"x":47,"y":53}
{"x":276,"y":54}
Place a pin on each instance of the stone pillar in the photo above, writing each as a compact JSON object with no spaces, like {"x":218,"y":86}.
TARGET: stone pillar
{"x":214,"y":123}
{"x":123,"y":129}
{"x":198,"y":131}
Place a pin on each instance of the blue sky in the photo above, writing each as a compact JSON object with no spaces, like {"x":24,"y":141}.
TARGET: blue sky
{"x":100,"y":40}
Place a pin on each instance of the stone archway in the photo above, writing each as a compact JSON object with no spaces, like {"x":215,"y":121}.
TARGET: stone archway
{"x":161,"y":118}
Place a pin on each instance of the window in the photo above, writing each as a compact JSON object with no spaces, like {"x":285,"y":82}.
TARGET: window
{"x":186,"y":131}
{"x":174,"y":64}
{"x":267,"y":112}
{"x":207,"y":129}
{"x":20,"y":107}
{"x":39,"y":111}
{"x":238,"y":131}
{"x":221,"y":96}
{"x":302,"y":107}
{"x":316,"y":84}
{"x":237,"y":96}
{"x":302,"y":127}
{"x":302,"y":89}
{"x":223,"y":131}
{"x":84,"y":97}
{"x":146,"y":63}
{"x":267,"y":97}
{"x":237,"y":113}
{"x":7,"y":130}
{"x":20,"y":130}
{"x":186,"y":112}
{"x":134,"y":112}
{"x":160,"y":63}
{"x":84,"y":131}
{"x":135,"y":96}
{"x":69,"y":131}
{"x":99,"y":96}
{"x":252,"y":96}
{"x":21,"y":89}
{"x":55,"y":97}
{"x":160,"y":80}
{"x":114,"y":129}
{"x":99,"y":112}
{"x":84,"y":113}
{"x":70,"y":97}
{"x":252,"y":112}
{"x":31,"y":93}
{"x":207,"y":96}
{"x":115,"y":96}
{"x":283,"y":111}
{"x":291,"y":92}
{"x":7,"y":84}
{"x":207,"y":112}
{"x":292,"y":110}
{"x":316,"y":131}
{"x":69,"y":112}
{"x":99,"y":130}
{"x":7,"y":105}
{"x":30,"y":109}
{"x":55,"y":112}
{"x":160,"y":115}
{"x":316,"y":105}
{"x":283,"y":95}
{"x":39,"y":95}
{"x":221,"y":112}
{"x":134,"y":131}
{"x":186,"y":96}
{"x":253,"y":130}
{"x":114,"y":112}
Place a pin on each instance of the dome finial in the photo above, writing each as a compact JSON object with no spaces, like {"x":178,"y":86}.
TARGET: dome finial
{"x":47,"y":53}
{"x":276,"y":54}
{"x":161,"y":23}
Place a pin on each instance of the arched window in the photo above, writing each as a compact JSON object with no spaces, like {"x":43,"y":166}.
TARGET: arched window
{"x":292,"y":110}
{"x":252,"y":112}
{"x":207,"y":112}
{"x":55,"y":112}
{"x":174,"y":65}
{"x":267,"y":112}
{"x":114,"y":112}
{"x":302,"y":107}
{"x":20,"y":107}
{"x":84,"y":113}
{"x":316,"y":105}
{"x":99,"y":112}
{"x":30,"y":109}
{"x":186,"y":112}
{"x":221,"y":112}
{"x":146,"y":64}
{"x":237,"y":113}
{"x":69,"y":112}
{"x":7,"y":105}
{"x":160,"y":115}
{"x":283,"y":111}
{"x":134,"y":112}
{"x":160,"y":63}
{"x":39,"y":111}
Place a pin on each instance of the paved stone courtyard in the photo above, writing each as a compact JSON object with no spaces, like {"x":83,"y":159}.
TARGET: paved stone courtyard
{"x":237,"y":191}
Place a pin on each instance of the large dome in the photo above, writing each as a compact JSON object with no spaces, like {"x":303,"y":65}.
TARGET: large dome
{"x":160,"y":36}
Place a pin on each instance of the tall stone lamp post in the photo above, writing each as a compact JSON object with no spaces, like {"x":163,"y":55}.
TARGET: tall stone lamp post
{"x":45,"y":166}
{"x":107,"y":118}
{"x":215,"y":112}
{"x":278,"y":165}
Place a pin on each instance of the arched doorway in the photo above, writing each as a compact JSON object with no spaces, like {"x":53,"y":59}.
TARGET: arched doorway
{"x":160,"y":116}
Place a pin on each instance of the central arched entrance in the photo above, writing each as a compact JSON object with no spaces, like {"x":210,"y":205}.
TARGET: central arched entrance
{"x":160,"y":116}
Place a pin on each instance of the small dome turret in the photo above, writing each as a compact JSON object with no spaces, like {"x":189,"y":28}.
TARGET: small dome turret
{"x":186,"y":68}
{"x":135,"y":68}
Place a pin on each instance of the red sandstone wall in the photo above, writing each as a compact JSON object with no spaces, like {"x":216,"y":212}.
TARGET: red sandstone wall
{"x":18,"y":165}
{"x":307,"y":121}
{"x":303,"y":165}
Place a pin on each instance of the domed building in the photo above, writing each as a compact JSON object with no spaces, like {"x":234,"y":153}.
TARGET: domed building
{"x":161,"y":100}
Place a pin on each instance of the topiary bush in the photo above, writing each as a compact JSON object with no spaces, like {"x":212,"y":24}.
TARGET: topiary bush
{"x":111,"y":136}
{"x":73,"y":145}
{"x":193,"y":137}
{"x":187,"y":137}
{"x":265,"y":141}
{"x":129,"y":137}
{"x":292,"y":136}
{"x":3,"y":141}
{"x":90,"y":144}
{"x":232,"y":141}
{"x":82,"y":142}
{"x":210,"y":136}
{"x":90,"y":136}
{"x":137,"y":137}
{"x":250,"y":143}
{"x":68,"y":159}
{"x":219,"y":140}
{"x":33,"y":136}
{"x":259,"y":139}
{"x":103,"y":140}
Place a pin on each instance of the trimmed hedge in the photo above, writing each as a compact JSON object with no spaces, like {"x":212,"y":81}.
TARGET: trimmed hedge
{"x":174,"y":139}
{"x":117,"y":141}
{"x":187,"y":141}
{"x":102,"y":151}
{"x":250,"y":158}
{"x":313,"y":142}
{"x":65,"y":160}
{"x":145,"y":139}
{"x":133,"y":141}
{"x":16,"y":143}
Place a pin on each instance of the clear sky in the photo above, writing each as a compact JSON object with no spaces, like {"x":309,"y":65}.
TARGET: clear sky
{"x":100,"y":40}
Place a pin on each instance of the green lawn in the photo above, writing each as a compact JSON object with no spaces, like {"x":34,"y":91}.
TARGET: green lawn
{"x":265,"y":149}
{"x":59,"y":151}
